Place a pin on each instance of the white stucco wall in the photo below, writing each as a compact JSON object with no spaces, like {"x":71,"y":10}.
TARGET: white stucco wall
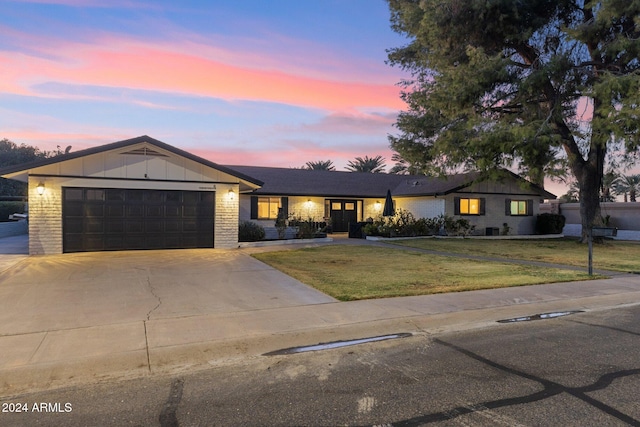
{"x":422,"y":207}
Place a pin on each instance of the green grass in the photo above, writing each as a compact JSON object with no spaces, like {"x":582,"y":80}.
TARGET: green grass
{"x":363,"y":272}
{"x":611,"y":255}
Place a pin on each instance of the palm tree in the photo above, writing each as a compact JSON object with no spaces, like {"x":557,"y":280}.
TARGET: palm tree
{"x":320,"y":165}
{"x":572,"y":196}
{"x":607,"y":191}
{"x":628,"y":185}
{"x":408,"y":167}
{"x":374,"y":164}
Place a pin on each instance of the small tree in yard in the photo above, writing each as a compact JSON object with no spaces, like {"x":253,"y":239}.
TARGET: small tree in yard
{"x":281,"y":224}
{"x":529,"y":84}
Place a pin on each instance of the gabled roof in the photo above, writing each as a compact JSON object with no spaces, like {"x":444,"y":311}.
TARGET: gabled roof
{"x":123,"y":144}
{"x":303,"y":182}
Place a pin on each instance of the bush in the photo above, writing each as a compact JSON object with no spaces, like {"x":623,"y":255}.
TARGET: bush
{"x":10,"y":208}
{"x":458,"y":227}
{"x":404,"y":224}
{"x":550,"y":223}
{"x":249,"y":231}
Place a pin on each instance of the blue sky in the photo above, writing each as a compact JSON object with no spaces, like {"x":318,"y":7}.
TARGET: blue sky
{"x":275,"y":83}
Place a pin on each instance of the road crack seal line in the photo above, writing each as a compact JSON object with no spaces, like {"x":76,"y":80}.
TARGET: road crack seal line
{"x":605,"y":327}
{"x":168,"y":417}
{"x":551,"y":389}
{"x":152,"y":290}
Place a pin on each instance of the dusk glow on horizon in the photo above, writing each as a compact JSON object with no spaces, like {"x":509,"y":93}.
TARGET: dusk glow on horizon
{"x":276,"y":83}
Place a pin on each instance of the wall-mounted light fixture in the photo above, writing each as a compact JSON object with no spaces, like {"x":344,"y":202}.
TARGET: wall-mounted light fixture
{"x":40,"y":188}
{"x":378,"y":205}
{"x":231,"y":194}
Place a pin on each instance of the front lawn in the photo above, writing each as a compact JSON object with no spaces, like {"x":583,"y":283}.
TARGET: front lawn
{"x":362,"y":272}
{"x":610,"y":255}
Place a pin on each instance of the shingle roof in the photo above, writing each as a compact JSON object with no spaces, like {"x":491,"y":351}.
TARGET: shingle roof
{"x":303,"y":182}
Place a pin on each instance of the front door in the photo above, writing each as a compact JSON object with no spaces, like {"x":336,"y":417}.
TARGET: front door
{"x":342,"y":213}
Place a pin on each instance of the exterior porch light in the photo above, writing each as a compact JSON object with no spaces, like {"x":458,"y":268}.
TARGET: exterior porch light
{"x":40,"y":188}
{"x":231,"y":194}
{"x":378,"y":205}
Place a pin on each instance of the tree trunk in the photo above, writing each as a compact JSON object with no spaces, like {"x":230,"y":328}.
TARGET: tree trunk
{"x":589,"y":184}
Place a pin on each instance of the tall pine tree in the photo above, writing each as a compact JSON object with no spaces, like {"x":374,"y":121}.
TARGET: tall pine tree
{"x":505,"y":83}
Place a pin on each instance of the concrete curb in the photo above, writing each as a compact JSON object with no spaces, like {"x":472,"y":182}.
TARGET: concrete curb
{"x":268,"y":243}
{"x":174,"y":345}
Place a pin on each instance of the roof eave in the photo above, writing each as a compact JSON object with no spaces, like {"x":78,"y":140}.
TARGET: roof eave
{"x":12,"y":171}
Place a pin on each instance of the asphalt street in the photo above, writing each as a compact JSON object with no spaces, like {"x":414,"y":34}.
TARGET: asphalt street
{"x":577,"y":370}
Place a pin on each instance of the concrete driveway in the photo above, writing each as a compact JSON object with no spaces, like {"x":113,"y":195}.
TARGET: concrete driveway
{"x":55,"y":292}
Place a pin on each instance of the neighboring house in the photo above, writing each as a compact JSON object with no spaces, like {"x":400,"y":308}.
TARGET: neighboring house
{"x":350,"y":197}
{"x":144,"y":194}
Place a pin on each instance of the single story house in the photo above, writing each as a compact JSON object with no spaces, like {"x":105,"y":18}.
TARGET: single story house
{"x":144,"y":194}
{"x":348,"y":197}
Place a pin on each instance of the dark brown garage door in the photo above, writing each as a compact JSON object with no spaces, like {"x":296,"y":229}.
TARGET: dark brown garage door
{"x":105,"y":219}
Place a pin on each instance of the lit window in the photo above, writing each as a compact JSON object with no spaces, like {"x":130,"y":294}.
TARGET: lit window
{"x":268,"y":207}
{"x":469,"y":206}
{"x":519,"y":207}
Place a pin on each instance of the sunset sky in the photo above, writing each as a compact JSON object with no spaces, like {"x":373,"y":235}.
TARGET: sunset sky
{"x":273,"y":83}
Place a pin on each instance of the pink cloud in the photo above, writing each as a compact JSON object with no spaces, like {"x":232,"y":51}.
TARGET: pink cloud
{"x":280,"y":53}
{"x":354,"y":123}
{"x":136,"y":65}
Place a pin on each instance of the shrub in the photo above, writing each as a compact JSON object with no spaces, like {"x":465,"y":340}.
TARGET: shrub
{"x":249,"y":231}
{"x":306,"y":228}
{"x":458,"y":227}
{"x":369,"y":229}
{"x":548,"y":223}
{"x":9,"y":208}
{"x":404,"y":224}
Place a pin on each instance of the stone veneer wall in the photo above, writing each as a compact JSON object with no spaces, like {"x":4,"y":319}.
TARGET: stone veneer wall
{"x":226,"y":217}
{"x":45,"y":217}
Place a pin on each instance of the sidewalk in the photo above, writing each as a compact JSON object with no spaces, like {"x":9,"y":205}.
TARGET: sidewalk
{"x":128,"y":349}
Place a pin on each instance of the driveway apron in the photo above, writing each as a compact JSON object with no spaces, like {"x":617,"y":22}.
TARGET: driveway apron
{"x":44,"y":293}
